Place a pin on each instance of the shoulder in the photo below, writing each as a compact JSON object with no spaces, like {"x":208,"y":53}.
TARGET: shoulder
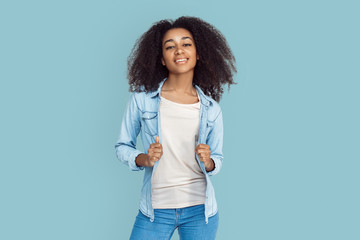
{"x":144,"y":101}
{"x":214,"y":109}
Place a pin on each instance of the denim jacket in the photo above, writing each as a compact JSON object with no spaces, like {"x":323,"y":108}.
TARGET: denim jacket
{"x":142,"y":116}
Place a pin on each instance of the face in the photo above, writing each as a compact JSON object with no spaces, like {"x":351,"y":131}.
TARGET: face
{"x":179,"y":51}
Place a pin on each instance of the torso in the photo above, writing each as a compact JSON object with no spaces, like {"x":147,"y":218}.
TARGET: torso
{"x":178,"y":180}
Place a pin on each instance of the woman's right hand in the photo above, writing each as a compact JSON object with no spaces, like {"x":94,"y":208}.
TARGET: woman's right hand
{"x":154,"y":152}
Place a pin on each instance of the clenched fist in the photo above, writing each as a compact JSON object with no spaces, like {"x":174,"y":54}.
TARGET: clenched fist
{"x":203,"y":151}
{"x":155,"y":152}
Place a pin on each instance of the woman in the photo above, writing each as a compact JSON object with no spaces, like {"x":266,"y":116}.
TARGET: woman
{"x":177,"y":71}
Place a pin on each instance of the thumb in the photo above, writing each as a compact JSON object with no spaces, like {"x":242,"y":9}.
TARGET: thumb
{"x":157,"y":139}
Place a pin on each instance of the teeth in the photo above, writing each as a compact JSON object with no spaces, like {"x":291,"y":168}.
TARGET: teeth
{"x":181,"y":60}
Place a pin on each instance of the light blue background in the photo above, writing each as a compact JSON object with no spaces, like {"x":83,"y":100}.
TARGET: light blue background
{"x":291,"y":167}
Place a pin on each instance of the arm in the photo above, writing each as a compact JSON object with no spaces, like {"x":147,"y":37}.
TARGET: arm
{"x":130,"y":127}
{"x":215,"y":141}
{"x":211,"y":152}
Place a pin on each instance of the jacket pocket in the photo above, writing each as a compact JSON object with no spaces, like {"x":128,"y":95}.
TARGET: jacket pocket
{"x":209,"y":127}
{"x":210,"y":124}
{"x":150,"y":123}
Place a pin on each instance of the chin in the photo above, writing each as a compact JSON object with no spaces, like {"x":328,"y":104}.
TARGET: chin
{"x":181,"y":70}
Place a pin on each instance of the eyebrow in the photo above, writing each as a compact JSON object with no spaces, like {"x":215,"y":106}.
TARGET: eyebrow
{"x":171,"y":40}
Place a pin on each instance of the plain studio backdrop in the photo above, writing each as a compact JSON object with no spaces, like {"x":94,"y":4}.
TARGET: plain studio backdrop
{"x":291,"y":140}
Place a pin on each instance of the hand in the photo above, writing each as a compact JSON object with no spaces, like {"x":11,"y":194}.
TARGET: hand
{"x":155,"y":152}
{"x":203,"y":151}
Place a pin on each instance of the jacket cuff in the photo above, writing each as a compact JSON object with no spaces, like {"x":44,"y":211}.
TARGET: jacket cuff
{"x":217,"y":163}
{"x":132,"y":164}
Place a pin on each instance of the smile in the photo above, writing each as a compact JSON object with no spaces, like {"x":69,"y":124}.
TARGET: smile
{"x":182,"y":60}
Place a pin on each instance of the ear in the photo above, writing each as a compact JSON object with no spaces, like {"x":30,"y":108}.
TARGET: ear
{"x":162,"y":61}
{"x":197,"y":57}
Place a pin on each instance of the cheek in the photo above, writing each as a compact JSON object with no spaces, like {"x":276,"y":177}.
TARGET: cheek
{"x":166,"y":58}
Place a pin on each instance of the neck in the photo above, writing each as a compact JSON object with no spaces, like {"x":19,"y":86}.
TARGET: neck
{"x":180,"y":83}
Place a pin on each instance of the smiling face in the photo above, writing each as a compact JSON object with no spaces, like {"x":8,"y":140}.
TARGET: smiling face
{"x":179,"y":51}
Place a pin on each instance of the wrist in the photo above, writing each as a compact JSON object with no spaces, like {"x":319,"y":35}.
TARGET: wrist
{"x":143,"y":160}
{"x":209,"y":165}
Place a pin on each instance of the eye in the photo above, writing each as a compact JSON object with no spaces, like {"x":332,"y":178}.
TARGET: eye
{"x":187,"y":44}
{"x":169,"y":47}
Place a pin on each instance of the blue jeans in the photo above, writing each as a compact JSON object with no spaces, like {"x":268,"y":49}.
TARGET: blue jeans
{"x":190,"y":222}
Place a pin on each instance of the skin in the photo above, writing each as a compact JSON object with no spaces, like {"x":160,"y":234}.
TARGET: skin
{"x":178,"y":44}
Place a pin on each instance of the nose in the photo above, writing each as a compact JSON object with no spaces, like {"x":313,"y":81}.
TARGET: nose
{"x":179,"y":51}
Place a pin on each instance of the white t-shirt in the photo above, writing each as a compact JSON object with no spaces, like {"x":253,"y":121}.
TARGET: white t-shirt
{"x":178,"y":181}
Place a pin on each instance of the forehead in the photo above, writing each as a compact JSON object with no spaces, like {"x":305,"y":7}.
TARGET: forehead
{"x":177,"y":34}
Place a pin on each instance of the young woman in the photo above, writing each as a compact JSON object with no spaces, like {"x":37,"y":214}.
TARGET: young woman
{"x":177,"y":71}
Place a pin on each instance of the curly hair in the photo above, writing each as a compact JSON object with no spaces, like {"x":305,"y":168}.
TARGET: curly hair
{"x":214,"y":69}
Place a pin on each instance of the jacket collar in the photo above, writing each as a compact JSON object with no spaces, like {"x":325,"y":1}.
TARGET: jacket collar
{"x":157,"y":92}
{"x":205,"y":100}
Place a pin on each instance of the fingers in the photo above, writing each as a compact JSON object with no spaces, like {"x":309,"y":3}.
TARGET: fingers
{"x":154,"y":157}
{"x":203,"y":154}
{"x":155,"y":145}
{"x":203,"y":151}
{"x":202,"y":146}
{"x":155,"y":151}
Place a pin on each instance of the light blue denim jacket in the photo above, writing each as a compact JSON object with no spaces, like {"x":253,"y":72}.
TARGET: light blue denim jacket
{"x":142,"y":115}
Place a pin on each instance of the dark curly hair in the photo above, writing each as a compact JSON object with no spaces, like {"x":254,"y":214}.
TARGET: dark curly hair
{"x":215,"y":67}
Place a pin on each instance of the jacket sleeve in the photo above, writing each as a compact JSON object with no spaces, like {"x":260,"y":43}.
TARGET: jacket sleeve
{"x":130,"y":127}
{"x":215,"y":141}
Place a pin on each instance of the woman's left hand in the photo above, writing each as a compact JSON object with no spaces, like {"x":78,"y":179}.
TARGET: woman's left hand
{"x":204,"y":152}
